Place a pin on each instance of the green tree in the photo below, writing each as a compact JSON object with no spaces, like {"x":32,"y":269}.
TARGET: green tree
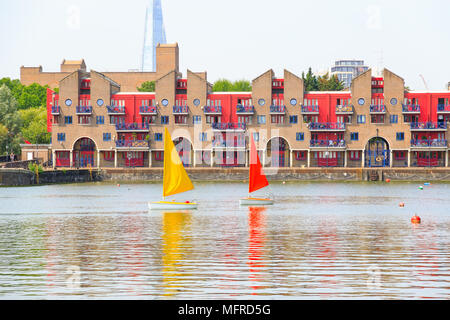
{"x":241,"y":86}
{"x":310,"y":81}
{"x":147,"y":86}
{"x":222,"y":85}
{"x":34,"y":127}
{"x":10,"y":121}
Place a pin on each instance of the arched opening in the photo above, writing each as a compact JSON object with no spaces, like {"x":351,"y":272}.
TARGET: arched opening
{"x":185,"y":150}
{"x":377,"y":153}
{"x":84,"y":153}
{"x":277,"y":152}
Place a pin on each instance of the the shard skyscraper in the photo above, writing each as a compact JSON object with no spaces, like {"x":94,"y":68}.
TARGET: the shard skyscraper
{"x":154,"y":34}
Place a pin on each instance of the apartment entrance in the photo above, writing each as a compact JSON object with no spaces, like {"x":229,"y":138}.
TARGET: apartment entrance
{"x":377,"y":153}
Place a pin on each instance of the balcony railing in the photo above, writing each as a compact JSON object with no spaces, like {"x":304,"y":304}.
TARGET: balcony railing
{"x":229,"y":126}
{"x":148,"y":110}
{"x":411,"y":108}
{"x":115,"y":110}
{"x":181,"y":109}
{"x":326,"y":126}
{"x":437,"y":143}
{"x":132,"y":127}
{"x":84,"y":109}
{"x":344,"y":109}
{"x":228,"y":144}
{"x":443,"y":108}
{"x":377,"y":108}
{"x":327,"y":143}
{"x":212,"y":110}
{"x":132,"y":144}
{"x":56,"y":110}
{"x":428,"y":126}
{"x":245,"y":109}
{"x":310,"y":109}
{"x":277,"y":109}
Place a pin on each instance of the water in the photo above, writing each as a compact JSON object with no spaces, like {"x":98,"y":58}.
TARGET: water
{"x":320,"y":241}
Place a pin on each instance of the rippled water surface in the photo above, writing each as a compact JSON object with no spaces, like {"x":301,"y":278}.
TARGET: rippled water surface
{"x":320,"y":241}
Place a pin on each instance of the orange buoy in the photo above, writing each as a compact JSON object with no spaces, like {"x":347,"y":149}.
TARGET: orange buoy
{"x":187,"y":202}
{"x":388,"y":180}
{"x":415,"y":219}
{"x":118,"y":184}
{"x":401,"y":204}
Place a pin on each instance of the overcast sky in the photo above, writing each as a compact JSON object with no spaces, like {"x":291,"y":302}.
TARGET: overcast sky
{"x":234,"y":39}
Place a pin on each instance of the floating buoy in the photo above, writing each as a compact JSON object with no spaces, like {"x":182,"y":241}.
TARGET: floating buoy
{"x":415,"y":219}
{"x":118,"y":184}
{"x":420,"y":188}
{"x":401,"y":204}
{"x":187,"y":202}
{"x":426,"y":184}
{"x":388,"y":180}
{"x":284,"y":182}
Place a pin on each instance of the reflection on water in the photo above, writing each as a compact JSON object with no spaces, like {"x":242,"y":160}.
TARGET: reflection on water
{"x":319,"y":241}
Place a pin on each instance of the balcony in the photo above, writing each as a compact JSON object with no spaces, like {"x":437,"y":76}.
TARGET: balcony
{"x":85,"y":110}
{"x":223,"y":144}
{"x":245,"y":109}
{"x":327,"y":144}
{"x":132,"y":127}
{"x":326,"y":126}
{"x":212,"y":110}
{"x":410,"y":108}
{"x":130,"y":144}
{"x":148,"y":110}
{"x":427,"y":126}
{"x":433,"y":143}
{"x":340,"y":109}
{"x":310,"y":109}
{"x":443,"y":108}
{"x":377,"y":108}
{"x":278,"y":109}
{"x":228,"y":126}
{"x":180,"y":110}
{"x":56,"y":110}
{"x":115,"y":110}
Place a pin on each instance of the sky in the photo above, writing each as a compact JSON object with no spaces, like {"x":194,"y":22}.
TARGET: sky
{"x":234,"y":39}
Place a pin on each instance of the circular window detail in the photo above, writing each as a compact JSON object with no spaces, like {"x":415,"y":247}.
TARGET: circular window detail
{"x":293,"y":102}
{"x":261,"y":102}
{"x":196,"y":102}
{"x":100,"y":102}
{"x":393,"y":101}
{"x":165,"y":102}
{"x":361,"y":101}
{"x":68,"y":102}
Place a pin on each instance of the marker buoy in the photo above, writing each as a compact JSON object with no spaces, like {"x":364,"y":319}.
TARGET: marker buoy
{"x":420,"y":188}
{"x":426,"y":184}
{"x":415,"y":219}
{"x":388,"y":180}
{"x":187,"y":202}
{"x":284,"y":182}
{"x":118,"y":184}
{"x":401,"y":204}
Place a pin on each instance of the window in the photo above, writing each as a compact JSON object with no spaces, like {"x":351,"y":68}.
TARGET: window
{"x":355,"y":155}
{"x":400,"y":136}
{"x":377,"y":118}
{"x":400,"y":155}
{"x":197,"y":119}
{"x":300,"y":155}
{"x":181,"y":119}
{"x":394,"y":118}
{"x":361,"y":119}
{"x":61,"y":137}
{"x":256,"y":136}
{"x":293,"y":119}
{"x":158,"y":136}
{"x":68,"y":120}
{"x":261,"y":119}
{"x":300,"y":136}
{"x":84,"y":119}
{"x":100,"y":120}
{"x":354,"y":136}
{"x":203,"y":136}
{"x":164,"y":119}
{"x":106,"y":136}
{"x":277,"y":118}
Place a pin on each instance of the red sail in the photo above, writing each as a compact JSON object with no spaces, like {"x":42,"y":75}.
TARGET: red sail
{"x":257,"y":178}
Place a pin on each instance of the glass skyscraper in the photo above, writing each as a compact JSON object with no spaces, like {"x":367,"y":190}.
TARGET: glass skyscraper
{"x":154,"y":34}
{"x":346,"y":70}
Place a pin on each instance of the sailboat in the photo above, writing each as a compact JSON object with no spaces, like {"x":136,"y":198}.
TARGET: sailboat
{"x":257,"y":179}
{"x":175,"y":180}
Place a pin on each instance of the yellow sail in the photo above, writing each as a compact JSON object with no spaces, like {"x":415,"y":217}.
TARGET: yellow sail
{"x":175,"y":179}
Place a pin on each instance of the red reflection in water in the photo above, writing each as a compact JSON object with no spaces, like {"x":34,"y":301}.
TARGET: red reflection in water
{"x":256,"y":225}
{"x":326,"y":243}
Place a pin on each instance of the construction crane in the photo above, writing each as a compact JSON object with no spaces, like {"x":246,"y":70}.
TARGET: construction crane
{"x":424,"y":82}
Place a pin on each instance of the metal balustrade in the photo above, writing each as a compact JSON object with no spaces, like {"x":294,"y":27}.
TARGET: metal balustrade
{"x":148,"y":110}
{"x":56,"y":110}
{"x":245,"y":109}
{"x":327,"y":143}
{"x":439,"y":143}
{"x":411,"y":108}
{"x":428,"y":126}
{"x":344,"y":109}
{"x":310,"y":109}
{"x":326,"y":126}
{"x":212,"y":110}
{"x":132,"y":144}
{"x":377,"y":108}
{"x":132,"y":126}
{"x":229,"y":126}
{"x":277,"y":109}
{"x":180,"y":109}
{"x":115,"y":109}
{"x":84,"y":109}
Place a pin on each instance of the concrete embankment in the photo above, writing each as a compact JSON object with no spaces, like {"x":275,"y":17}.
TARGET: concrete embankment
{"x":21,"y":177}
